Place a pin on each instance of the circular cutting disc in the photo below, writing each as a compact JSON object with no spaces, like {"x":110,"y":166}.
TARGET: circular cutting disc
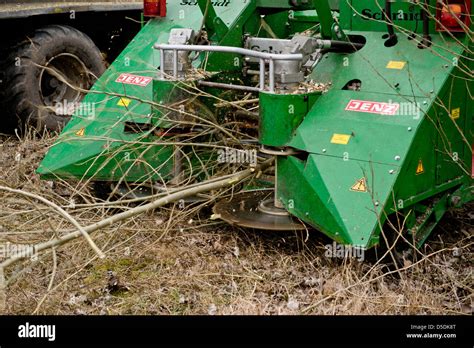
{"x":144,"y":192}
{"x":252,"y":209}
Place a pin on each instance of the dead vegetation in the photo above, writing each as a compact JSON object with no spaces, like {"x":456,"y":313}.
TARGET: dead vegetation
{"x":179,"y":261}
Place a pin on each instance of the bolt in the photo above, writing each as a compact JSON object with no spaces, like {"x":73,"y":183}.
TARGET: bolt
{"x":397,"y":158}
{"x":377,"y":203}
{"x":391,"y":171}
{"x":324,"y":150}
{"x":425,"y":102}
{"x":455,"y":200}
{"x":409,"y":129}
{"x":307,"y":214}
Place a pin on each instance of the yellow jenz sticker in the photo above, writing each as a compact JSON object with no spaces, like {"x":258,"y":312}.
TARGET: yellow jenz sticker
{"x":342,"y":139}
{"x":455,"y":113}
{"x":396,"y":64}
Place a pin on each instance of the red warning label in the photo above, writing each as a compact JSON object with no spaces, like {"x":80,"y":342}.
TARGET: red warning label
{"x":373,"y":107}
{"x":136,"y":80}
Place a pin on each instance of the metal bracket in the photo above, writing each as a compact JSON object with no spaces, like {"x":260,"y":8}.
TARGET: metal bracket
{"x":263,"y":59}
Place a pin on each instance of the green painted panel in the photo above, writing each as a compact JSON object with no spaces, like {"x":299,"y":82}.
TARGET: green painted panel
{"x":372,"y":137}
{"x":421,"y":77}
{"x":320,"y":191}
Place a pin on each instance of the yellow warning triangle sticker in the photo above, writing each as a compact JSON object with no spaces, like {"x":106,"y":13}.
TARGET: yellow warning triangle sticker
{"x":360,"y":186}
{"x":420,"y":169}
{"x":81,"y":132}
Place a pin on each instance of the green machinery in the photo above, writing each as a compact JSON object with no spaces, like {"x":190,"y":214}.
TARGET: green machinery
{"x":367,"y":107}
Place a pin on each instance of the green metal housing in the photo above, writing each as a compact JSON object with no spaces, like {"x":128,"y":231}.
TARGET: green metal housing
{"x":399,"y":144}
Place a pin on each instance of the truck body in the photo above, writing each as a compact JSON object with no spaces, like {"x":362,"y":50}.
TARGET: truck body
{"x":93,"y":32}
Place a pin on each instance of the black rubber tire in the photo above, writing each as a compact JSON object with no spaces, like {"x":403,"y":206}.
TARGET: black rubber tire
{"x":23,"y":99}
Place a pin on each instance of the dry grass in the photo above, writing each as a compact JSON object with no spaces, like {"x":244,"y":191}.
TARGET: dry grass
{"x":172,"y":262}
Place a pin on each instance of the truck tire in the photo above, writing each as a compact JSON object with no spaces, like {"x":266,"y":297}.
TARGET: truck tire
{"x":34,"y":92}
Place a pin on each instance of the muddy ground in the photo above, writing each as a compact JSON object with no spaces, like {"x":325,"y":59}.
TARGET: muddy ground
{"x":174,"y":261}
